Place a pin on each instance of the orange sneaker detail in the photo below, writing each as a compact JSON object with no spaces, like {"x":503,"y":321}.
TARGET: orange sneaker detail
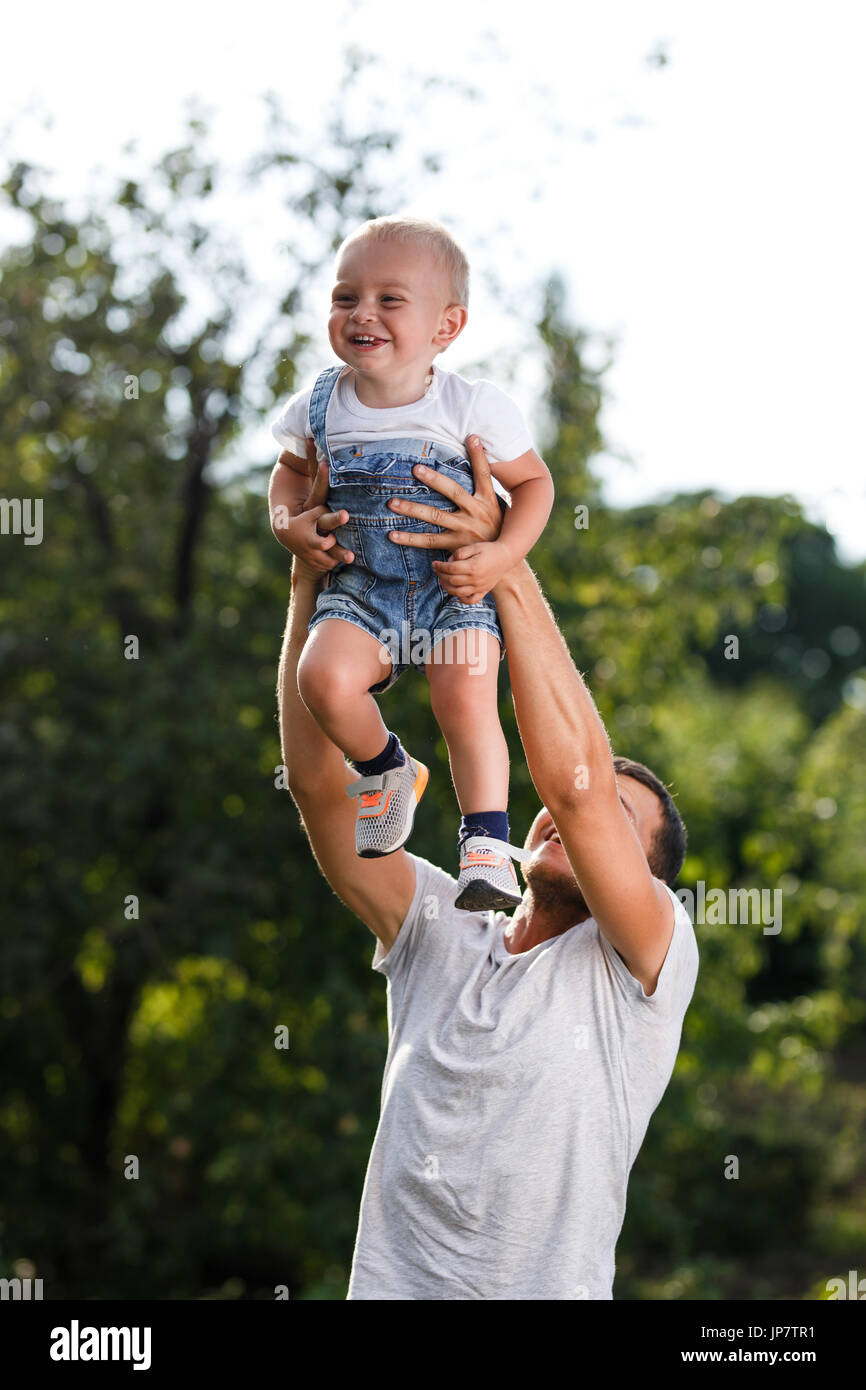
{"x":483,"y":856}
{"x":420,"y":782}
{"x":370,"y":805}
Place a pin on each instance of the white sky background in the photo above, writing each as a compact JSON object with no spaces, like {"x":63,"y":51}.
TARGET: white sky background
{"x":708,"y":214}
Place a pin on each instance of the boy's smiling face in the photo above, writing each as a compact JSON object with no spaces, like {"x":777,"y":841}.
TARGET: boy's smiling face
{"x":399,"y":294}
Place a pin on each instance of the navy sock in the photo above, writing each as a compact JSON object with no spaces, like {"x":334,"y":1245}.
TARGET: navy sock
{"x":392,"y":755}
{"x":491,"y":823}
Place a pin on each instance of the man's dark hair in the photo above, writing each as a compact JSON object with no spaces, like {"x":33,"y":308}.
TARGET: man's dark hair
{"x":668,"y":848}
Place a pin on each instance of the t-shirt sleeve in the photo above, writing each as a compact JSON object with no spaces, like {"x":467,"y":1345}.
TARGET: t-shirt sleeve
{"x":433,"y":898}
{"x":679,"y":971}
{"x":499,"y":423}
{"x":291,"y":428}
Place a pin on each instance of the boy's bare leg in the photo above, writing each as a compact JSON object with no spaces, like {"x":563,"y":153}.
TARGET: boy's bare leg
{"x":463,"y":673}
{"x":337,"y":666}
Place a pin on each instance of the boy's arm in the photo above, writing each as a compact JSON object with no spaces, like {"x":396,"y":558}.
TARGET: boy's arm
{"x":289,"y":486}
{"x":288,"y":490}
{"x":292,"y":521}
{"x":531,"y":486}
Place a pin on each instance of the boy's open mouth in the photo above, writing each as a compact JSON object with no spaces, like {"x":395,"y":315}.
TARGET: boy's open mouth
{"x":364,"y":341}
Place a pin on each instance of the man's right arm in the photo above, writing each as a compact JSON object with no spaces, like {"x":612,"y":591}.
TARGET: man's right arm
{"x":378,"y":891}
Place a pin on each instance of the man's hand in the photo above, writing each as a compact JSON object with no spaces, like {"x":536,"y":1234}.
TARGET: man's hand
{"x":307,"y":534}
{"x":478,"y":519}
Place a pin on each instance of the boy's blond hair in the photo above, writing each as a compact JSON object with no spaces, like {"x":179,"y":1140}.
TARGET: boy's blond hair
{"x":432,"y":236}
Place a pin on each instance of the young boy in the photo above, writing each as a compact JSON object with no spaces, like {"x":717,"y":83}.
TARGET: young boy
{"x":399,"y":300}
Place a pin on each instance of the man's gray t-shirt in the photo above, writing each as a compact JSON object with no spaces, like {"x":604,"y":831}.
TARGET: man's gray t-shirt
{"x":516,"y":1094}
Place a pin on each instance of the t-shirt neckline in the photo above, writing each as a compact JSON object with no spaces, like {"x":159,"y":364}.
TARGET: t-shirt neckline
{"x":356,"y":407}
{"x":500,"y":949}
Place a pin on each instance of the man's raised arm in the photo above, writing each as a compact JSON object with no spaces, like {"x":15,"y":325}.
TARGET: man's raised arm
{"x":570,"y":762}
{"x":567,"y":749}
{"x":379,"y":891}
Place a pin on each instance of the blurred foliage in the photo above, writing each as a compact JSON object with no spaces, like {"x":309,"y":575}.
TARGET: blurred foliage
{"x":151,"y":1031}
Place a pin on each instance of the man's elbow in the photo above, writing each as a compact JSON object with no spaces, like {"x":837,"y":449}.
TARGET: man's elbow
{"x":580,"y":790}
{"x":302,"y":788}
{"x":319,"y":782}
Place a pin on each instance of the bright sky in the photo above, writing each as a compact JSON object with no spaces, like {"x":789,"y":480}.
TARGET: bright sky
{"x":707,"y":213}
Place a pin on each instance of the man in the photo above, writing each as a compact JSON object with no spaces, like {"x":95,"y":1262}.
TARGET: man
{"x":525,"y":1056}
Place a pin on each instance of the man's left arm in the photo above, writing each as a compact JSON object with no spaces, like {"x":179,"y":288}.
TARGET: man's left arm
{"x":566,"y":746}
{"x":569,"y":759}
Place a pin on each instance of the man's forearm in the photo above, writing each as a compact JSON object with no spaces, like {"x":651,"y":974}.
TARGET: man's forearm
{"x":310,"y":757}
{"x":565,"y":742}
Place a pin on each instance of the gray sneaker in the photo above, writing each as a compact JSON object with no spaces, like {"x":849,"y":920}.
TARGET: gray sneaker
{"x":487,"y":879}
{"x":386,"y":808}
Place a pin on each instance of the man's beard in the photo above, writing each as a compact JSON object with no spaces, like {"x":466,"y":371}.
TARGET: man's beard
{"x":556,"y":892}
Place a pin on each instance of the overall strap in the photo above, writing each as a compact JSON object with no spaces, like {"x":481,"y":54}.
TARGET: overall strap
{"x":319,"y":401}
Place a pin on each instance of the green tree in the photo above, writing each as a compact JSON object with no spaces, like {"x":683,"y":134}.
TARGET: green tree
{"x":131,"y":365}
{"x":153,"y":853}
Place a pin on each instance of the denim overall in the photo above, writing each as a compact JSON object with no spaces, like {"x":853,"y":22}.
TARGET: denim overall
{"x":391,"y":590}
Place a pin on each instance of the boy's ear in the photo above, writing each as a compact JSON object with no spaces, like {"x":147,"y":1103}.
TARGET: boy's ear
{"x":453,"y":322}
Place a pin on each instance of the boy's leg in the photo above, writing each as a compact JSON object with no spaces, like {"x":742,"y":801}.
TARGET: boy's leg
{"x":463,"y":673}
{"x":339,"y":663}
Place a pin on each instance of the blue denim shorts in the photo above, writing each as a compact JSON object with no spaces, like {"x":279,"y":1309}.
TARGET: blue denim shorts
{"x":392,"y":590}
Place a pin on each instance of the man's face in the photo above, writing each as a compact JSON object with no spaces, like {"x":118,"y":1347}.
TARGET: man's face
{"x":549,"y":871}
{"x":397,"y":294}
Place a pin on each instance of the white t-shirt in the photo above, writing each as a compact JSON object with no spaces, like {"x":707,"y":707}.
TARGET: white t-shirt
{"x":516,"y":1095}
{"x":450,"y":409}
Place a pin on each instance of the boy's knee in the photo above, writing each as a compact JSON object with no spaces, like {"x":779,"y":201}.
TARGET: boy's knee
{"x":456,"y":698}
{"x":311,"y":677}
{"x":325,"y":686}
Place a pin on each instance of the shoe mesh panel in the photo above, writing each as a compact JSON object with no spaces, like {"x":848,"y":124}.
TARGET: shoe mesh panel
{"x":384,"y":832}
